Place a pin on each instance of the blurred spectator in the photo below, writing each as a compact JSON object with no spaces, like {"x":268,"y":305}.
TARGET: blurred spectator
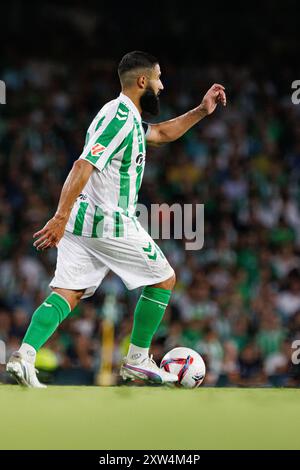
{"x":237,"y":301}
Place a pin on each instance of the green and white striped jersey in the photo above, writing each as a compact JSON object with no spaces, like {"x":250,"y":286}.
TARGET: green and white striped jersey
{"x":116,"y":146}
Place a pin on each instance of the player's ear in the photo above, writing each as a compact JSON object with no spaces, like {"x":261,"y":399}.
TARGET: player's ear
{"x":142,"y":81}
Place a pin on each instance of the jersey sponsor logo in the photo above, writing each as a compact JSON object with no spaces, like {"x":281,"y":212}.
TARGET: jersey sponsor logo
{"x":97,"y":149}
{"x":139,"y":159}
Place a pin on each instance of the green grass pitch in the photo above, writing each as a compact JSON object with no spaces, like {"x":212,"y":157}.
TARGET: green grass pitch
{"x":149,"y":418}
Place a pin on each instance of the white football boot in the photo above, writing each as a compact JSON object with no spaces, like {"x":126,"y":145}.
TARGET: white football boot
{"x":146,"y":370}
{"x":23,"y":371}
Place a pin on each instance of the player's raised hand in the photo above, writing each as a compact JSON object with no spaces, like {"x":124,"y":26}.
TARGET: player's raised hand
{"x":216,"y":94}
{"x":50,"y":234}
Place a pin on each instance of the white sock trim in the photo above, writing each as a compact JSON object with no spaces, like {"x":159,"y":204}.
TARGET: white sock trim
{"x":136,"y":353}
{"x":156,"y":301}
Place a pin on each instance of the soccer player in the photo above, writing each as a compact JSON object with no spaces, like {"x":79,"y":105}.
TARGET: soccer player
{"x":95,"y":228}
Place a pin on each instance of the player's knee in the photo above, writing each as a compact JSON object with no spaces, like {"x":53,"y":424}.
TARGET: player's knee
{"x":168,"y":284}
{"x":172,"y":281}
{"x":72,"y":296}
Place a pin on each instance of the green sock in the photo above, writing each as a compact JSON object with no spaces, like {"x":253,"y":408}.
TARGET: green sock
{"x":46,"y":319}
{"x":148,"y":314}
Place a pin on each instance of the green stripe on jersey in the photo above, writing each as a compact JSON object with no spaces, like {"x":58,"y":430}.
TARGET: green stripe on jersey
{"x":92,"y":158}
{"x":80,"y":218}
{"x":119,"y":227}
{"x":110,"y":132}
{"x":98,"y":223}
{"x":121,"y":145}
{"x":124,"y":175}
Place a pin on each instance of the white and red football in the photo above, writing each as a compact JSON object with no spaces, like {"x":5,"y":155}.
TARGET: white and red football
{"x":187,"y":364}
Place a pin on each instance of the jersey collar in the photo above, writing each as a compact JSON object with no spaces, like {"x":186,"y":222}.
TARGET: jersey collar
{"x":127,"y":101}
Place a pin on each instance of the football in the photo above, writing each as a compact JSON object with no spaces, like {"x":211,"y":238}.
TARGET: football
{"x":187,"y":364}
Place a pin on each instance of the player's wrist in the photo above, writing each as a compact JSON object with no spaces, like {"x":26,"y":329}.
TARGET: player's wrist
{"x":202,"y":110}
{"x":61,"y":216}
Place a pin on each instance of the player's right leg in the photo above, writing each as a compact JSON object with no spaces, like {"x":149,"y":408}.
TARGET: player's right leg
{"x":148,"y":314}
{"x":138,"y":261}
{"x":45,"y":320}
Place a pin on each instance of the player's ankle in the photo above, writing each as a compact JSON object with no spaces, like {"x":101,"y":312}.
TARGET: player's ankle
{"x":28,"y":353}
{"x":136,"y":354}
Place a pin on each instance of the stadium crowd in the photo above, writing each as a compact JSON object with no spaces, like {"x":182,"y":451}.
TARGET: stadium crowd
{"x":237,"y":300}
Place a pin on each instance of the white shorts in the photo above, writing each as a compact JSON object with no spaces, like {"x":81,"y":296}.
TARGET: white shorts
{"x":83,"y":262}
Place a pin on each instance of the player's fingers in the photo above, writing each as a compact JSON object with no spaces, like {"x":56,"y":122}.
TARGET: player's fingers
{"x":47,"y":245}
{"x":215,"y":90}
{"x":223,"y":98}
{"x":52,"y":243}
{"x":216,"y":95}
{"x":218,"y":86}
{"x":53,"y":240}
{"x":41,"y":241}
{"x":43,"y":247}
{"x":40,"y":232}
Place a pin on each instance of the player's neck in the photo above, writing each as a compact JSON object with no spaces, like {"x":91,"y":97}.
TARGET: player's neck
{"x":133,"y":97}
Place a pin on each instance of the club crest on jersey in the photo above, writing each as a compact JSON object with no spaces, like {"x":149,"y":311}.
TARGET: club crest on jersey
{"x":97,"y":149}
{"x":139,"y":159}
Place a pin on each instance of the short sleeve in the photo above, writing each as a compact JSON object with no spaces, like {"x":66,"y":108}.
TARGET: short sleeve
{"x":104,"y":143}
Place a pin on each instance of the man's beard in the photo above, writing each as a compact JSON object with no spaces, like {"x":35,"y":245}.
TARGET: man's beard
{"x":149,"y":102}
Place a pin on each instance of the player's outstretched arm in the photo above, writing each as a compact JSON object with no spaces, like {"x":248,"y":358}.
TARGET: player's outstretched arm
{"x":171,"y":130}
{"x":53,"y":231}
